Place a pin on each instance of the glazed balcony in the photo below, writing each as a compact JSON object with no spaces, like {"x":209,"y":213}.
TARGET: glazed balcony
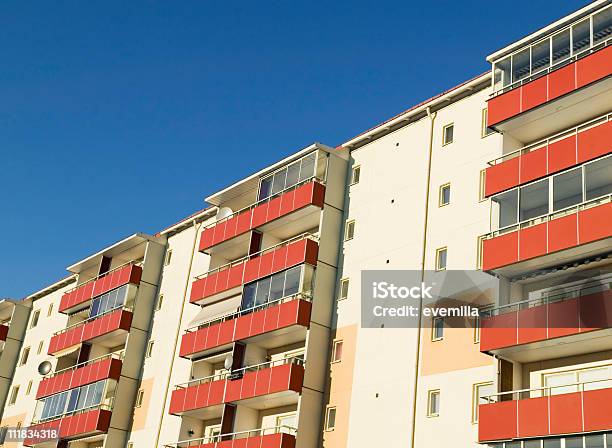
{"x":559,"y":152}
{"x":577,"y":320}
{"x":290,"y":211}
{"x":546,"y":412}
{"x":270,"y":384}
{"x":101,"y":368}
{"x":85,"y":423}
{"x":279,"y":322}
{"x":278,"y":437}
{"x":565,"y":75}
{"x":109,"y":329}
{"x":564,"y":236}
{"x":79,"y":297}
{"x":227,"y":280}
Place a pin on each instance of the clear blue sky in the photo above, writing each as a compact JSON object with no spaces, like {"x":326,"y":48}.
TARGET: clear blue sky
{"x":119,"y":117}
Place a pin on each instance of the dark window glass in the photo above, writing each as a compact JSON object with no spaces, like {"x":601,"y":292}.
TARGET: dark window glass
{"x":265,"y":188}
{"x":263,"y":291}
{"x":292,"y":282}
{"x":508,"y":207}
{"x":560,"y":46}
{"x":602,"y":26}
{"x":567,"y":189}
{"x":277,"y":288}
{"x":248,"y":296}
{"x":581,"y":36}
{"x":598,"y":178}
{"x":307,"y":169}
{"x":573,"y":442}
{"x":533,"y":200}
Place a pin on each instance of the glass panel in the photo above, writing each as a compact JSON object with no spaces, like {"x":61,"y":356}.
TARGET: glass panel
{"x":609,"y":440}
{"x":594,"y":441}
{"x":289,"y":421}
{"x":508,"y":207}
{"x":292,"y":282}
{"x":502,"y":73}
{"x":265,"y":188}
{"x":278,"y":283}
{"x":278,"y":184}
{"x":513,"y":444}
{"x":307,"y":169}
{"x":445,"y":195}
{"x":72,"y":402}
{"x":248,"y":296}
{"x":559,"y":381}
{"x":520,"y":65}
{"x":567,"y":189}
{"x":602,"y":26}
{"x":533,"y":200}
{"x":293,"y":174}
{"x":532,"y":444}
{"x":263,"y":291}
{"x":95,"y":308}
{"x":598,"y":178}
{"x":573,"y":442}
{"x":560,"y":46}
{"x":540,"y":56}
{"x":552,"y":443}
{"x":82,"y":397}
{"x":593,"y":378}
{"x":96,"y":393}
{"x":581,"y":36}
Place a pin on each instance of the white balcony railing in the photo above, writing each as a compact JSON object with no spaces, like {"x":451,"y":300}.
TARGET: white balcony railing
{"x":234,"y":436}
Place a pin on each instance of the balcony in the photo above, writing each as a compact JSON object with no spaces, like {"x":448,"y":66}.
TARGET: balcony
{"x":278,"y":437}
{"x":561,"y":151}
{"x":85,"y":423}
{"x":564,"y":236}
{"x":109,"y":329}
{"x":271,"y":384}
{"x":104,"y":367}
{"x":294,"y":203}
{"x":576,"y":321}
{"x":226,"y":280}
{"x":76,"y":298}
{"x":280,"y":322}
{"x":564,"y":75}
{"x":546,"y":412}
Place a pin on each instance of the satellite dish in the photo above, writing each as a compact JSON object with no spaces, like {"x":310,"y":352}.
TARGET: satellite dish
{"x":44,"y":368}
{"x":223,"y":212}
{"x":228,"y":362}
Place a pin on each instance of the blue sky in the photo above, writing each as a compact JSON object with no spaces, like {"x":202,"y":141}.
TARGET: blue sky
{"x":117,"y":117}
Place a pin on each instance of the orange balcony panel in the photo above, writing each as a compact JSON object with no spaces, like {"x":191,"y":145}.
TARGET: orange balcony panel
{"x":531,"y":325}
{"x":534,"y":93}
{"x":595,"y":142}
{"x":562,"y":81}
{"x":71,"y":379}
{"x":563,"y":318}
{"x":533,"y":165}
{"x":571,"y":413}
{"x":595,"y":223}
{"x":76,"y":426}
{"x":264,"y":382}
{"x":3,"y":332}
{"x":498,"y":331}
{"x":274,"y":318}
{"x":118,"y":320}
{"x":532,"y":241}
{"x":594,"y":67}
{"x":502,"y":176}
{"x":310,"y":193}
{"x":500,"y":251}
{"x":284,"y":257}
{"x":504,"y":106}
{"x":129,"y":274}
{"x":563,"y":233}
{"x":562,"y":154}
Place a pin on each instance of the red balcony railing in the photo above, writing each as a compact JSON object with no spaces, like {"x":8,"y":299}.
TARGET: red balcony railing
{"x":88,"y":422}
{"x":585,"y":69}
{"x":301,"y":249}
{"x":3,"y":332}
{"x":123,"y":275}
{"x":577,"y":310}
{"x":546,"y":412}
{"x":278,"y":437}
{"x":310,"y":192}
{"x":244,"y":324}
{"x":257,"y":381}
{"x":119,"y":319}
{"x":561,"y":151}
{"x":564,"y":229}
{"x":104,"y":367}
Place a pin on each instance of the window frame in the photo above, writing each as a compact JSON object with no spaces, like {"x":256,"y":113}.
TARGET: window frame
{"x":450,"y":125}
{"x":476,"y":399}
{"x":168,"y":257}
{"x":344,"y":281}
{"x":355,"y":170}
{"x":149,"y":350}
{"x":328,"y":411}
{"x":441,"y":189}
{"x":335,"y":344}
{"x":438,"y":266}
{"x":35,"y":319}
{"x":25,"y":353}
{"x":159,"y":302}
{"x":430,"y":393}
{"x":139,"y":398}
{"x":348,"y":224}
{"x":14,"y":395}
{"x":485,"y":131}
{"x":482,"y":185}
{"x":434,"y":328}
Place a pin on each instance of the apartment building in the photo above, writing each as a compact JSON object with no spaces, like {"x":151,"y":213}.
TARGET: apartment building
{"x":241,"y":325}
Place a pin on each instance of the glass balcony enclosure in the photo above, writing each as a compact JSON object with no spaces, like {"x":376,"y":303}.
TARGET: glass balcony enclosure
{"x":552,"y":194}
{"x":288,"y":176}
{"x":108,"y":301}
{"x":275,"y":287}
{"x":553,"y":51}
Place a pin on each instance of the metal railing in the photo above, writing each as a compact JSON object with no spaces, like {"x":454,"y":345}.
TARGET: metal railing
{"x":89,"y":319}
{"x":305,"y":235}
{"x":314,"y":177}
{"x":239,"y":372}
{"x":118,"y":355}
{"x":545,"y":391}
{"x":553,"y":138}
{"x":549,"y":216}
{"x":554,"y":296}
{"x":307,"y":295}
{"x":138,"y":262}
{"x":234,"y":436}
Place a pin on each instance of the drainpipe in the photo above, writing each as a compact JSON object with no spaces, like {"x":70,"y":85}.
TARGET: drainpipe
{"x":432,"y":118}
{"x":178,"y":330}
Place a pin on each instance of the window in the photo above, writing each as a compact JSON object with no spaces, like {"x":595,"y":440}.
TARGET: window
{"x":14,"y":394}
{"x":276,"y":287}
{"x":597,"y":177}
{"x":441,"y":255}
{"x":168,"y":257}
{"x":35,"y":317}
{"x":594,"y":441}
{"x":149,"y":351}
{"x":479,"y":243}
{"x":355,"y":175}
{"x":139,"y":398}
{"x":40,"y":347}
{"x":568,"y":381}
{"x":330,"y":418}
{"x":286,"y":422}
{"x":477,"y":330}
{"x":567,"y":189}
{"x":444,"y":195}
{"x":25,"y":354}
{"x":160,"y":302}
{"x":478,"y":392}
{"x":447,"y":134}
{"x":288,"y":176}
{"x":602,"y":26}
{"x":485,"y":130}
{"x":349,"y":233}
{"x":437,"y":329}
{"x":481,"y":186}
{"x":533,"y":200}
{"x":3,"y":432}
{"x":433,"y":403}
{"x":130,"y":445}
{"x":109,"y":301}
{"x":337,"y":351}
{"x":344,"y":288}
{"x":73,"y":400}
{"x":213,"y":432}
{"x":552,"y":443}
{"x":29,"y":388}
{"x":50,"y":310}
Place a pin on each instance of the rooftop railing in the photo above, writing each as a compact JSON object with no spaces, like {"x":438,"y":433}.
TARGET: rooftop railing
{"x":234,"y":436}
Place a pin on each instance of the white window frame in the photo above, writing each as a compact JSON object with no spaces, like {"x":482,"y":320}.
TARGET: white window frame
{"x":349,"y":223}
{"x":344,"y":288}
{"x":335,"y":344}
{"x":355,"y":173}
{"x":441,"y":189}
{"x":328,"y":411}
{"x":444,"y":128}
{"x":430,"y":394}
{"x":434,"y":337}
{"x":439,"y":250}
